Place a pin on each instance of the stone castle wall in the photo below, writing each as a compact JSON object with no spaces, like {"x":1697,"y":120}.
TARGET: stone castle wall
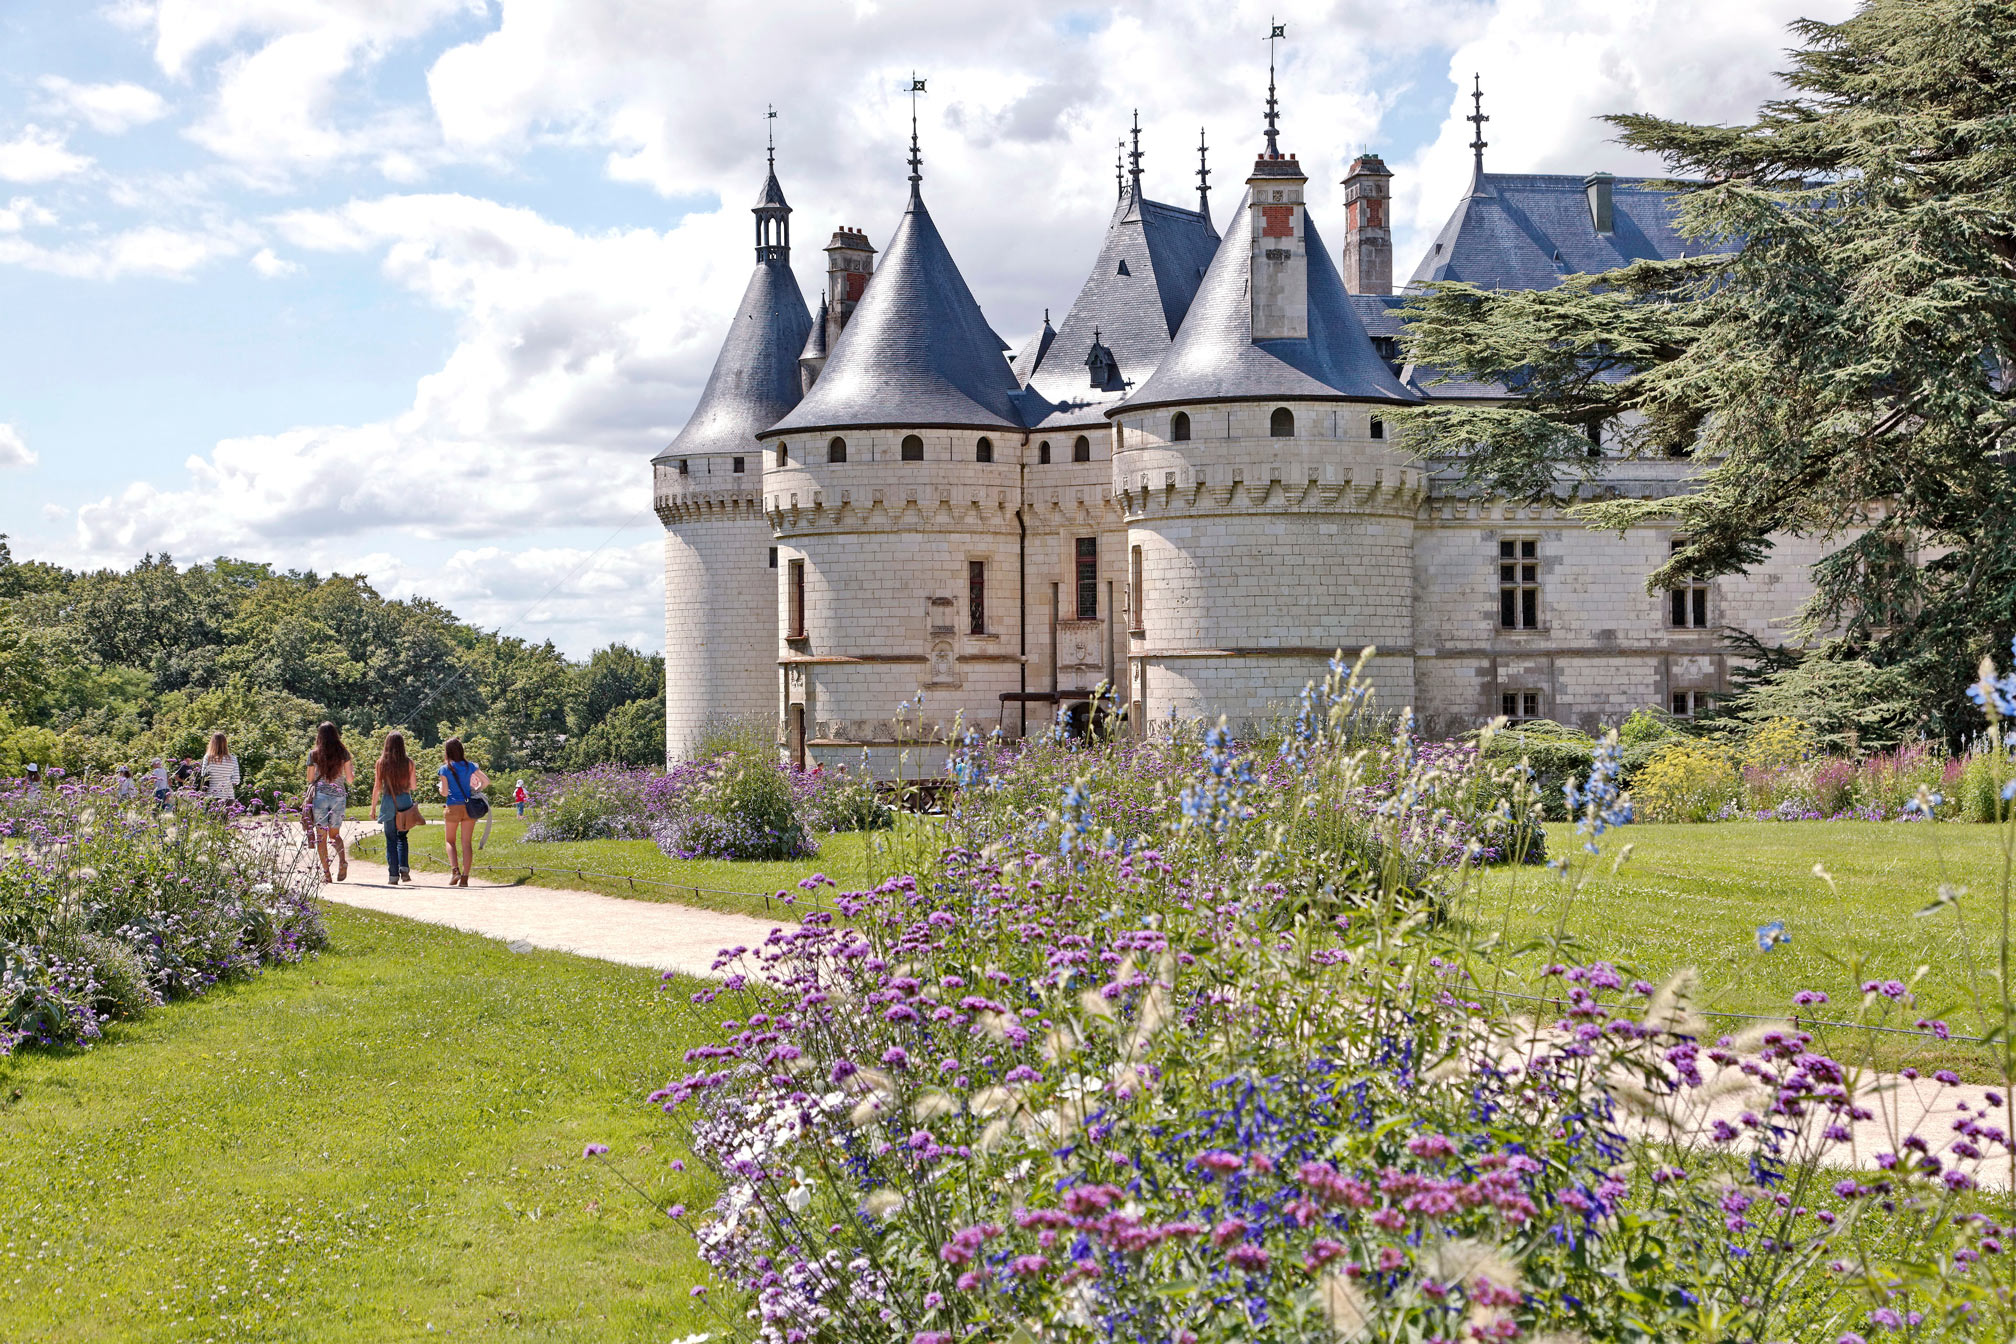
{"x":720,"y":658}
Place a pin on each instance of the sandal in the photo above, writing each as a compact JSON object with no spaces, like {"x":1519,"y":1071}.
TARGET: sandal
{"x":343,"y":868}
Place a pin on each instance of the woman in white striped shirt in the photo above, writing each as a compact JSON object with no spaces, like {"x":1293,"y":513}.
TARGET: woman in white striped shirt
{"x":219,"y":771}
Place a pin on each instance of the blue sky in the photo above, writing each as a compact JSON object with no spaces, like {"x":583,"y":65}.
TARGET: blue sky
{"x":415,"y":288}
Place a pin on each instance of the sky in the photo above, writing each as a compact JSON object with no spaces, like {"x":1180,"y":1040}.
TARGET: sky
{"x":416,"y":288}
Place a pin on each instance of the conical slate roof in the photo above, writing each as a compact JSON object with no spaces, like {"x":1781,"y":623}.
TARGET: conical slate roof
{"x":755,"y":378}
{"x":1149,"y":266}
{"x":772,"y":195}
{"x":916,"y":350}
{"x":1215,"y":358}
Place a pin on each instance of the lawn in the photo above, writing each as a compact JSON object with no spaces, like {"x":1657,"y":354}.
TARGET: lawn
{"x":638,"y":869}
{"x":1696,"y":896}
{"x":382,"y":1143}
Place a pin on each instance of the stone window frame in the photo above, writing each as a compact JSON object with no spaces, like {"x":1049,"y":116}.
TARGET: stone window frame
{"x":1043,"y":453}
{"x":1137,"y":594}
{"x":739,"y":466}
{"x":1522,"y":704}
{"x":783,"y":454}
{"x":1081,"y":448}
{"x":1377,"y":429}
{"x":1688,"y":704}
{"x":1179,"y":427}
{"x":794,"y":599}
{"x":1689,"y":602}
{"x":983,"y":451}
{"x":1281,"y":423}
{"x":1085,"y":577}
{"x":911,"y":449}
{"x":836,"y":449}
{"x":1520,"y":610}
{"x":976,"y":596}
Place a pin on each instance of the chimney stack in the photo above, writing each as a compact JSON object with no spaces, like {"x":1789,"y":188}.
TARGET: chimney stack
{"x":849,"y":262}
{"x":1368,"y":230}
{"x":1279,"y":276}
{"x":1602,"y":205}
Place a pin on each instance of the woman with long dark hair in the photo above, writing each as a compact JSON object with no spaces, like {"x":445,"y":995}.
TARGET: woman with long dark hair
{"x":330,"y":773}
{"x":461,"y":782}
{"x":391,"y":794}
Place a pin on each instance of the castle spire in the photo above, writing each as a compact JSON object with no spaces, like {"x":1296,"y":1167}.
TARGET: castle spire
{"x":1203,"y":177}
{"x":772,"y":211}
{"x":1477,"y":120}
{"x":916,"y":156}
{"x":1275,"y":32}
{"x":1134,"y":157}
{"x":1120,"y":169}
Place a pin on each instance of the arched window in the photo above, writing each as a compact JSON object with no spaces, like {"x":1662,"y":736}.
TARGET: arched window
{"x":1081,"y":449}
{"x":1179,"y":427}
{"x":1282,"y":423}
{"x":1378,"y":428}
{"x":836,"y":451}
{"x":783,"y":453}
{"x":913,"y":448}
{"x":983,"y":451}
{"x":1043,"y":453}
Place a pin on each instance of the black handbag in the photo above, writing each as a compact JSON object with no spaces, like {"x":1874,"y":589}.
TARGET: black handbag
{"x":478,"y":807}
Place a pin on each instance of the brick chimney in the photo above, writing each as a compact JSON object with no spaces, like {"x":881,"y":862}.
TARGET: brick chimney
{"x":1368,"y":230}
{"x":850,"y":260}
{"x":1279,"y":278}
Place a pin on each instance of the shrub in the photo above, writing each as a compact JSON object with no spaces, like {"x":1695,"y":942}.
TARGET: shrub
{"x":745,"y":809}
{"x":604,"y":803}
{"x":1556,"y":754}
{"x":1686,"y":781}
{"x":837,"y":801}
{"x":106,"y":911}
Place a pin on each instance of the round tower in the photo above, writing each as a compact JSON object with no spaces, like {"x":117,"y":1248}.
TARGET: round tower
{"x":1270,"y":518}
{"x":892,"y":490}
{"x":720,"y":590}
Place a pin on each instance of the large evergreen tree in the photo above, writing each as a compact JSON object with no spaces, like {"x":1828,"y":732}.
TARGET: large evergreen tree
{"x":1839,"y":353}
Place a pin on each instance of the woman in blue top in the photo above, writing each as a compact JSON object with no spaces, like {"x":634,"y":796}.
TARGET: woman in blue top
{"x":460,"y":780}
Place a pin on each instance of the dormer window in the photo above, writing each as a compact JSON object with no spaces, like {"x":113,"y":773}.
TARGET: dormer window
{"x":1101,"y":364}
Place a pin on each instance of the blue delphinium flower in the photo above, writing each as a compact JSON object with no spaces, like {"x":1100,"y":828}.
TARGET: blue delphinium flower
{"x":1772,"y":934}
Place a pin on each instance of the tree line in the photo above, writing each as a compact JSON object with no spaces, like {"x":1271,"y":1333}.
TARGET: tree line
{"x":111,"y":667}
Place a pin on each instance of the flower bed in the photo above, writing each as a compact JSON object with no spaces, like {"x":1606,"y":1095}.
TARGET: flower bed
{"x":110,"y":909}
{"x":1178,"y":1049}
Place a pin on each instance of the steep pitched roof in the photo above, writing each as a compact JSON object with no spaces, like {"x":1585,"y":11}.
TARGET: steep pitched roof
{"x":1215,"y":358}
{"x":772,"y":195}
{"x":755,"y":378}
{"x":916,"y":350}
{"x":1149,"y":266}
{"x":1528,"y":230}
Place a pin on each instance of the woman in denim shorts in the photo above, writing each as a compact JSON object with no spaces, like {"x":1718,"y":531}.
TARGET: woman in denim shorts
{"x":460,"y":779}
{"x":330,"y":771}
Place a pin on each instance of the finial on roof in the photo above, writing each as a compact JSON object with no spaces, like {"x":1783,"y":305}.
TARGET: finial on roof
{"x":1119,"y":169}
{"x":1477,"y":120}
{"x":1275,"y":32}
{"x":1134,"y":157}
{"x":1203,"y":177}
{"x":770,"y":133}
{"x":916,"y":156}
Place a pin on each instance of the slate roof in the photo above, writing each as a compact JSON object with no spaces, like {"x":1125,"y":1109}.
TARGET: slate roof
{"x":772,"y":195}
{"x":1149,"y":266}
{"x":755,"y":378}
{"x":916,"y":350}
{"x":1215,"y":358}
{"x":1528,"y":230}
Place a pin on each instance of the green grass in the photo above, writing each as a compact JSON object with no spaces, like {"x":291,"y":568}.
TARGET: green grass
{"x":382,"y":1143}
{"x":638,"y":869}
{"x":1694,"y":896}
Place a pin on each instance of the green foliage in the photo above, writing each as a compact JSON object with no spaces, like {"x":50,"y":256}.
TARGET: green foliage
{"x":1857,"y":349}
{"x":1555,"y":752}
{"x":749,"y":735}
{"x":119,"y":666}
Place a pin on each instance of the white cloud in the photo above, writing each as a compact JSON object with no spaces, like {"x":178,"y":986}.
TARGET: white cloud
{"x":14,"y":451}
{"x":577,"y":596}
{"x":148,"y":250}
{"x":22,"y":213}
{"x":109,"y":108}
{"x":272,"y":266}
{"x":38,"y":155}
{"x":574,"y":357}
{"x":55,"y":513}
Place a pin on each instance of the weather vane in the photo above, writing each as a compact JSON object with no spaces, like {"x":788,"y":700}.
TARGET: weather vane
{"x":770,"y":134}
{"x":1276,"y":32}
{"x":916,"y":157}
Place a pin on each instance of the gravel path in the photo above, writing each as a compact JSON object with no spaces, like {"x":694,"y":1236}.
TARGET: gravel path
{"x":657,"y":934}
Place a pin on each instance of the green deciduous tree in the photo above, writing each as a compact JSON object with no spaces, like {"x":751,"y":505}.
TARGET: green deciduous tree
{"x":1847,"y":372}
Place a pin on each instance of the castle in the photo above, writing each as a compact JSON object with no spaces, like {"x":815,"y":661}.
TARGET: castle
{"x":1187,"y":491}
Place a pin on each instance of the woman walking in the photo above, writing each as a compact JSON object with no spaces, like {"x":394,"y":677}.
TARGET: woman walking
{"x":219,"y":771}
{"x":330,"y":772}
{"x":391,"y":794}
{"x":460,"y":782}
